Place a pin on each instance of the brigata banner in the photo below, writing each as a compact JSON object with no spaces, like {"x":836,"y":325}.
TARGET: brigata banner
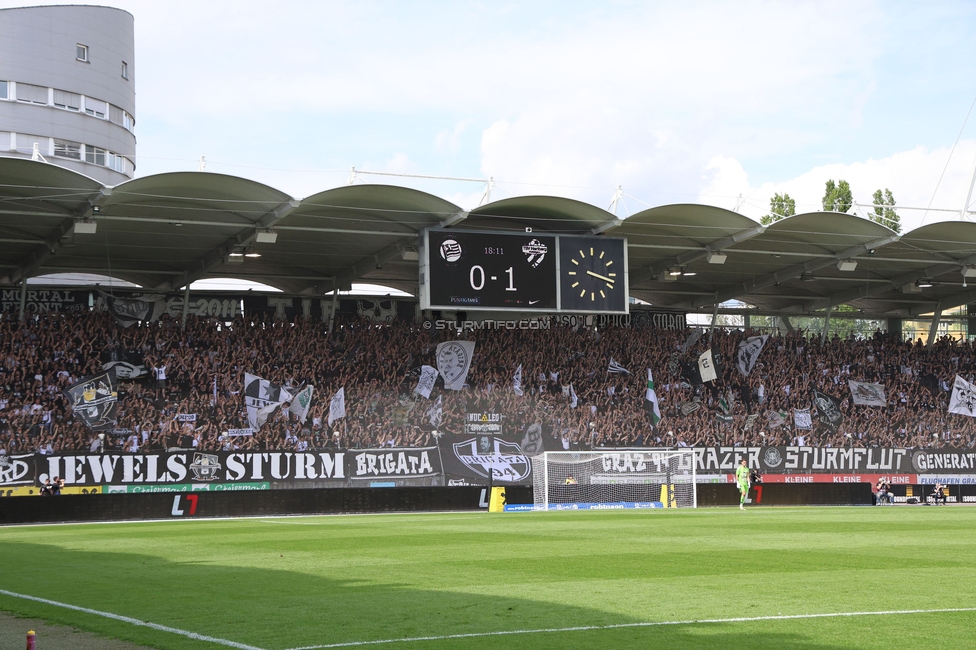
{"x":375,"y":464}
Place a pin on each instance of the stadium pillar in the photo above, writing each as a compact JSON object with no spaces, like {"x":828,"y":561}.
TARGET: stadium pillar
{"x":335,"y":300}
{"x":934,"y":327}
{"x":23,"y":299}
{"x":186,"y":303}
{"x":711,"y":330}
{"x":894,"y":328}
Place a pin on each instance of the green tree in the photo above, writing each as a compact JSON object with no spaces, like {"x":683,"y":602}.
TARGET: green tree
{"x":780,"y":206}
{"x":884,"y":210}
{"x":838,"y":198}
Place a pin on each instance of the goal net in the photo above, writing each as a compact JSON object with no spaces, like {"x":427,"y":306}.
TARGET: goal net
{"x":571,"y":480}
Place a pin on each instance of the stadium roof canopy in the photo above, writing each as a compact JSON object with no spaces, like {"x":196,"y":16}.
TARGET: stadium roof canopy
{"x":168,"y":230}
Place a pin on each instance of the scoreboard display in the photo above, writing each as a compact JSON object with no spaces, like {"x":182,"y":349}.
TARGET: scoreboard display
{"x":528,"y":272}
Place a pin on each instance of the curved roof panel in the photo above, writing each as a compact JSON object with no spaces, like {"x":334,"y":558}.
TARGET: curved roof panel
{"x":166,"y":230}
{"x":545,"y":213}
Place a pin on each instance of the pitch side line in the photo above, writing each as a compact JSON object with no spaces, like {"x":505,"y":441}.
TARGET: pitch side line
{"x":583,"y":628}
{"x":134,"y":621}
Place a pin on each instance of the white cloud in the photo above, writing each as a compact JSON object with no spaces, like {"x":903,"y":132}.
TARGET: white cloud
{"x":449,"y":140}
{"x":911,"y":175}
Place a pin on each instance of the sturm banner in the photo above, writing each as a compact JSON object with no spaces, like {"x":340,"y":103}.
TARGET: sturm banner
{"x":474,"y":459}
{"x":186,"y":466}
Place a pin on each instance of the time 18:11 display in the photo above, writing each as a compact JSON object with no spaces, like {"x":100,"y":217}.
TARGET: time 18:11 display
{"x":473,"y":270}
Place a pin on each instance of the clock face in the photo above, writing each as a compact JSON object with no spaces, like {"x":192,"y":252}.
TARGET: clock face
{"x":592,"y":274}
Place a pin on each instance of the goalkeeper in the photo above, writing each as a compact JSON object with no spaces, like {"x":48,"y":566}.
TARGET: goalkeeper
{"x":742,"y":480}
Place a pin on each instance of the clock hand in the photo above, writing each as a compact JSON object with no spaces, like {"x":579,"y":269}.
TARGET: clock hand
{"x":602,"y":277}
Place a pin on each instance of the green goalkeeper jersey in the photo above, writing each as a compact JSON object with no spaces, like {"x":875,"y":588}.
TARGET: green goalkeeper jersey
{"x":742,"y":475}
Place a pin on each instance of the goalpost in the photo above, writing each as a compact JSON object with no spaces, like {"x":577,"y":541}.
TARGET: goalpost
{"x":611,"y":479}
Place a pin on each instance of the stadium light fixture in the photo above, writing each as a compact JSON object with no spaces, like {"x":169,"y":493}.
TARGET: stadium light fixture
{"x":266,"y":236}
{"x":969,"y":271}
{"x":924,"y":283}
{"x":85,"y":226}
{"x":689,"y":274}
{"x":674,"y":270}
{"x":846,"y":265}
{"x":716,"y":258}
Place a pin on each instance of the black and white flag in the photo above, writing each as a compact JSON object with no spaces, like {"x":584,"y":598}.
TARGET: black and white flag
{"x":261,"y":398}
{"x":302,"y":402}
{"x":94,"y":400}
{"x":963,"y":400}
{"x":828,"y":407}
{"x":435,"y":414}
{"x":802,"y":419}
{"x":616,"y":369}
{"x":691,"y":340}
{"x":517,"y":382}
{"x":865,"y":394}
{"x":453,"y":362}
{"x":428,"y":375}
{"x":337,"y":407}
{"x":749,"y":349}
{"x":706,"y":366}
{"x":131,"y":310}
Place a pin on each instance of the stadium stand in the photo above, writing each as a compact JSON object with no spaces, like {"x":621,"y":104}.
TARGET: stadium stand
{"x":378,"y":366}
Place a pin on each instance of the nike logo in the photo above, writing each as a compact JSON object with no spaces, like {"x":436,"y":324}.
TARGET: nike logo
{"x":532,"y":302}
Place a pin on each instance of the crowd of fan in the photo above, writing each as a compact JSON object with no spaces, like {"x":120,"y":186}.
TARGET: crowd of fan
{"x":378,"y":366}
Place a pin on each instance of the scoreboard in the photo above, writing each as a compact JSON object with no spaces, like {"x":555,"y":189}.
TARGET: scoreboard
{"x":529,"y":272}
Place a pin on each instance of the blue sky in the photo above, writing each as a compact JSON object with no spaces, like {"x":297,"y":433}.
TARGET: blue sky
{"x":676,"y":102}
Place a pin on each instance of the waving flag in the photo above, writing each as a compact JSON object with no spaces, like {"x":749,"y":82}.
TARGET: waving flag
{"x":337,"y":407}
{"x":616,"y":369}
{"x":650,"y":400}
{"x":963,"y":400}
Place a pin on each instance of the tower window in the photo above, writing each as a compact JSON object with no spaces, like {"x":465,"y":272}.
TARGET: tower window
{"x":125,"y":70}
{"x":81,"y":52}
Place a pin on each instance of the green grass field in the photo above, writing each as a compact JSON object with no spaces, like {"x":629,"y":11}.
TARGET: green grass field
{"x":278,"y":584}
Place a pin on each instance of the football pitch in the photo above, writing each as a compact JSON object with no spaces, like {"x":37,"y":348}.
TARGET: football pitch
{"x":809,"y":578}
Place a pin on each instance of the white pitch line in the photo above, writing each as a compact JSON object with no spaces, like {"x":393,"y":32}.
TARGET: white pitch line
{"x":134,"y":621}
{"x":583,"y":628}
